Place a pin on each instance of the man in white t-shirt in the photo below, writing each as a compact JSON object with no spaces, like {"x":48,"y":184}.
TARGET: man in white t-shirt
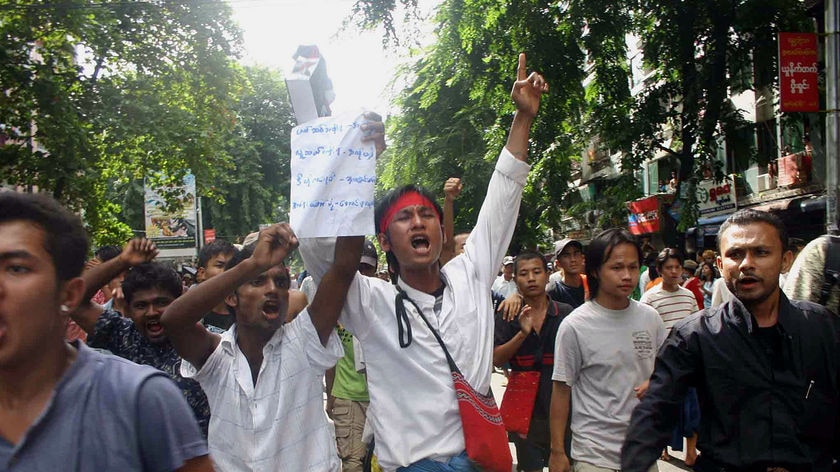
{"x":672,"y":301}
{"x":604,"y":356}
{"x":504,"y":284}
{"x":413,"y":407}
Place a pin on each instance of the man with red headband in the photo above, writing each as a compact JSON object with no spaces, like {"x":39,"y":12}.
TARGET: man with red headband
{"x":413,"y":408}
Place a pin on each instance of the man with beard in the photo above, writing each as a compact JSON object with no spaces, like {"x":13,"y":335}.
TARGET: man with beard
{"x":148,"y":288}
{"x":766,"y":368}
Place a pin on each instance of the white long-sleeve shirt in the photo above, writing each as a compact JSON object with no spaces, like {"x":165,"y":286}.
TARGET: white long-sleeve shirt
{"x":413,"y":408}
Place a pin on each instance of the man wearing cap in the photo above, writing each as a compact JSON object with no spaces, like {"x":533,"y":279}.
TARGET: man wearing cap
{"x":348,"y":398}
{"x":414,"y":410}
{"x":572,"y":287}
{"x":504,"y":284}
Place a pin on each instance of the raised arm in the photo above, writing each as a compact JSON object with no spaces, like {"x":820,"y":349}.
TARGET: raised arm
{"x":526,"y":94}
{"x":332,"y":291}
{"x":181,"y":319}
{"x":136,"y":252}
{"x":451,"y":191}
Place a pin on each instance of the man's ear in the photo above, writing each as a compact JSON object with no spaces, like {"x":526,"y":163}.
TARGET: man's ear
{"x":718,"y":263}
{"x":787,"y":261}
{"x":384,"y":242}
{"x":200,"y":274}
{"x":232,"y":300}
{"x":71,"y":293}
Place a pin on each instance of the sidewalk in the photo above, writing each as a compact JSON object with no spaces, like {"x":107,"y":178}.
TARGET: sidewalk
{"x":675,"y":465}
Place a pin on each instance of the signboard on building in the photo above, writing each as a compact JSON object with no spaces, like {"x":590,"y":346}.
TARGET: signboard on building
{"x":716,"y":198}
{"x":172,"y":227}
{"x":209,"y":235}
{"x":798,"y":72}
{"x":644,"y":215}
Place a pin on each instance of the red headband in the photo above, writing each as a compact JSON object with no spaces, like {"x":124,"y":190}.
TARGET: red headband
{"x":409,"y":198}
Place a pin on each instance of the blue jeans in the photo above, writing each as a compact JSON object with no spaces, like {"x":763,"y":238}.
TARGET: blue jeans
{"x":459,"y":463}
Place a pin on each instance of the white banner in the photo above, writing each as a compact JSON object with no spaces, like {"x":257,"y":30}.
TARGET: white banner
{"x":333,"y":174}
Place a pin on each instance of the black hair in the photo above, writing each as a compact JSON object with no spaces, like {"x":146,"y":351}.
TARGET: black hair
{"x":750,"y":216}
{"x":106,"y":253}
{"x":65,"y":239}
{"x":527,"y":256}
{"x":714,"y":273}
{"x":600,"y":249}
{"x":668,"y":253}
{"x":209,"y":251}
{"x":149,"y":275}
{"x":385,"y":203}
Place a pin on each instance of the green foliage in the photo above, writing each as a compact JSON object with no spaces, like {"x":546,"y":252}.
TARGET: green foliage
{"x":255,"y":189}
{"x":110,"y":92}
{"x":697,"y":53}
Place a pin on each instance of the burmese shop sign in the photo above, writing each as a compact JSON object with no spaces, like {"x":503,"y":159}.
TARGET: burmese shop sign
{"x":798,"y":72}
{"x":715,"y":198}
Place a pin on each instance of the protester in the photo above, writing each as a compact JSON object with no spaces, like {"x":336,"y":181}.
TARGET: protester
{"x":766,"y":368}
{"x":674,"y":303}
{"x":504,"y":285}
{"x":451,"y":246}
{"x":528,"y":344}
{"x":212,"y":259}
{"x":348,"y":398}
{"x":414,"y":410}
{"x":64,"y":406}
{"x":707,"y":283}
{"x":148,"y":289}
{"x":262,"y":375}
{"x":603,"y":358}
{"x":572,"y":288}
{"x":692,"y":283}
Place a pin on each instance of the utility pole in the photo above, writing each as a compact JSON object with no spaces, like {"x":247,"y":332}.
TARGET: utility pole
{"x":832,"y":107}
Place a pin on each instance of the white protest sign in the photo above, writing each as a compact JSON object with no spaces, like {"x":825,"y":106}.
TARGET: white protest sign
{"x":333,"y":178}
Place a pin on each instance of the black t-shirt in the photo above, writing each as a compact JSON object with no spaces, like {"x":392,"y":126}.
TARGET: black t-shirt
{"x":536,"y":353}
{"x":220,"y":321}
{"x":560,"y":292}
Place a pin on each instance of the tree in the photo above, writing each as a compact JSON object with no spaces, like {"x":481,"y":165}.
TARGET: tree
{"x":697,"y":53}
{"x":256,"y":188}
{"x":107,"y":92}
{"x":455,"y":115}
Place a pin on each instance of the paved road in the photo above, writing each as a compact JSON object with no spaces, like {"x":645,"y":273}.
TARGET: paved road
{"x":674,"y":465}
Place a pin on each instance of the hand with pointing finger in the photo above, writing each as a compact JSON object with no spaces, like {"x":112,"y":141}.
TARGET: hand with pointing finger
{"x":527,"y":90}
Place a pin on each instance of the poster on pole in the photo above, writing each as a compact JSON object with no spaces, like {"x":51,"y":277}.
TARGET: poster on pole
{"x":333,"y":174}
{"x":173,"y":226}
{"x":798,"y":72}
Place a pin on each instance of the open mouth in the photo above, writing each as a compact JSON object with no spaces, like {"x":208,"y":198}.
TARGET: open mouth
{"x":420,"y":242}
{"x":271,"y":310}
{"x":154,"y":328}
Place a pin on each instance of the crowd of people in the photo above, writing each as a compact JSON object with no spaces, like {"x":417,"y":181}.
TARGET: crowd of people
{"x":616,"y":350}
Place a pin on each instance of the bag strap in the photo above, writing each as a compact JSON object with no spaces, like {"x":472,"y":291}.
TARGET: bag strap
{"x":831,"y":271}
{"x":402,"y":316}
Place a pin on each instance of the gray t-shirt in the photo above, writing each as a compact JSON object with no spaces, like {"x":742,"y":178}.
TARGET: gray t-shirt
{"x":603,"y":354}
{"x":107,"y":413}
